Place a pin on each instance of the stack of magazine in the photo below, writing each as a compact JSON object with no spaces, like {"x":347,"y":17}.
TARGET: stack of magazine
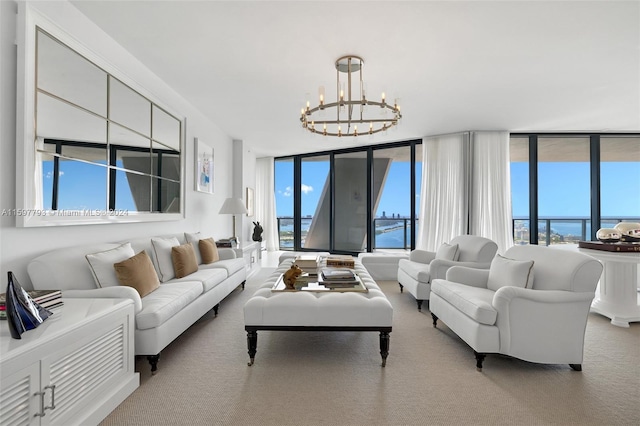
{"x":336,"y":277}
{"x":48,"y":299}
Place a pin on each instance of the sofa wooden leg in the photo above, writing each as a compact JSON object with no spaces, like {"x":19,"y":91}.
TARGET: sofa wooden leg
{"x":576,"y":367}
{"x":384,"y":346}
{"x":435,"y":320}
{"x":242,"y":284}
{"x":401,"y":287}
{"x":252,"y":344}
{"x":420,"y":305}
{"x":153,"y":360}
{"x":479,"y":359}
{"x":215,"y":310}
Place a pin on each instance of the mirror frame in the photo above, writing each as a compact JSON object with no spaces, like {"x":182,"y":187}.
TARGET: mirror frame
{"x":27,"y":213}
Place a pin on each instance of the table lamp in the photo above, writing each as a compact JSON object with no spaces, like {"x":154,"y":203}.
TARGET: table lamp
{"x":233,"y":206}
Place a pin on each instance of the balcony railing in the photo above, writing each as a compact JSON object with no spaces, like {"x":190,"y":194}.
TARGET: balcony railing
{"x":561,"y":230}
{"x":394,"y":233}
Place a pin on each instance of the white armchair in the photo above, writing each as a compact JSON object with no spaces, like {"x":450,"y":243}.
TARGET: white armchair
{"x":416,"y":273}
{"x":532,"y":304}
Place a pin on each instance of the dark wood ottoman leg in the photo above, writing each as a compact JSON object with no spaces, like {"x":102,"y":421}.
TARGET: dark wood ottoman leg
{"x":252,"y":344}
{"x":384,"y":346}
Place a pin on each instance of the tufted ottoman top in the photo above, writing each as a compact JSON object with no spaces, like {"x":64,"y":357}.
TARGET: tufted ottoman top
{"x":318,"y":309}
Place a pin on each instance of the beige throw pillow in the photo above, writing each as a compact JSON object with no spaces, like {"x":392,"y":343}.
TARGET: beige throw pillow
{"x":208,"y":250}
{"x":184,"y":260}
{"x":138,"y":272}
{"x":510,"y":272}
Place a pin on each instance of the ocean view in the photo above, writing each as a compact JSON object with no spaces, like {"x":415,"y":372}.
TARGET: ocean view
{"x":389,"y":233}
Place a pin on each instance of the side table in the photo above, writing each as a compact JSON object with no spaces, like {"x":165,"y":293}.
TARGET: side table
{"x":252,"y":254}
{"x":618,"y":296}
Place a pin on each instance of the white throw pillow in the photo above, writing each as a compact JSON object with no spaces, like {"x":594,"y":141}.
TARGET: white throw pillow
{"x":194,"y":238}
{"x":101,"y":264}
{"x":447,"y":251}
{"x":162,"y":252}
{"x":510,"y":272}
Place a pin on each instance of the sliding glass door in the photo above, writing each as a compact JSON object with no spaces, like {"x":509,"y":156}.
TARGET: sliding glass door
{"x":351,"y":200}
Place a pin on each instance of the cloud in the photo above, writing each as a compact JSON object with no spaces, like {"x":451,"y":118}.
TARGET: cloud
{"x":288,"y":190}
{"x":49,"y":174}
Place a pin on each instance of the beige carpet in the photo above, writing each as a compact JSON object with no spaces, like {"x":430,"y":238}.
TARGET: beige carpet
{"x":315,"y":378}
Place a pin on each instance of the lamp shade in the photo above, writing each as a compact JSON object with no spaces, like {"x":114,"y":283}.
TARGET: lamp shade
{"x":233,"y":206}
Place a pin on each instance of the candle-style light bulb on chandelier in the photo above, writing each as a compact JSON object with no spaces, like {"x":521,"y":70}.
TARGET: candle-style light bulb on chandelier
{"x":352,"y":108}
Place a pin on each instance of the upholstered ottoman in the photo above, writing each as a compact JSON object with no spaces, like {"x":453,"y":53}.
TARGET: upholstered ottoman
{"x":382,"y":266}
{"x":318,"y":311}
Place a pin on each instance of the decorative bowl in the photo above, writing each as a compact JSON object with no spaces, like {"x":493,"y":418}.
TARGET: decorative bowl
{"x":608,"y":235}
{"x":629,"y":231}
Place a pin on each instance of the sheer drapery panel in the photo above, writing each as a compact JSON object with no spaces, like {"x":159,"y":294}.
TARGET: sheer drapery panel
{"x":265,"y":203}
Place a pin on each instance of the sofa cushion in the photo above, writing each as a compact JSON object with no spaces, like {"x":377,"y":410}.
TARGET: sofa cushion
{"x":101,"y":264}
{"x":193,"y":238}
{"x":416,"y":270}
{"x":208,"y":250}
{"x":510,"y":272}
{"x":447,"y":252}
{"x":165,"y":302}
{"x":184,"y":260}
{"x":230,"y":265}
{"x":162,"y":253}
{"x":138,"y":272}
{"x":209,"y":277}
{"x":475,"y":302}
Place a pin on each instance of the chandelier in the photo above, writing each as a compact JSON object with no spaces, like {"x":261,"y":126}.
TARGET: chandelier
{"x":352,"y":108}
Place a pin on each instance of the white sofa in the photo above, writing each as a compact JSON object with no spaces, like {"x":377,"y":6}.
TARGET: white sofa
{"x":531,"y":304}
{"x":162,"y":315}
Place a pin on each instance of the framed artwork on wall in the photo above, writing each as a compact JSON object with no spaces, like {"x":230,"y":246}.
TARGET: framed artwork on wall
{"x":250,"y":201}
{"x":204,"y":167}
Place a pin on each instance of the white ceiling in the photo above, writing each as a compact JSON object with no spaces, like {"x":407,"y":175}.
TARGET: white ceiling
{"x":476,"y":65}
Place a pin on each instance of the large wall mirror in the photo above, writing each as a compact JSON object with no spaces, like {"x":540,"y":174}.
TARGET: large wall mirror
{"x":102,"y":152}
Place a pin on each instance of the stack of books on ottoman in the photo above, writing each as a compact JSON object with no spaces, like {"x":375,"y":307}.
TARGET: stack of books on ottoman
{"x":338,"y":277}
{"x":308,"y":263}
{"x":340,"y":261}
{"x":48,"y":299}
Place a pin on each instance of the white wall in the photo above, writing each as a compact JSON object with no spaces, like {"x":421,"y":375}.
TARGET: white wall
{"x":19,"y":245}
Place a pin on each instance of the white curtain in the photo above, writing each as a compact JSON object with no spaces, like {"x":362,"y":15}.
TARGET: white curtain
{"x":490,"y":204}
{"x":444,"y":195}
{"x":265,"y":203}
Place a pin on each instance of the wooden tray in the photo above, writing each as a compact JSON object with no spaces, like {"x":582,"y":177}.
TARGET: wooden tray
{"x":616,"y":247}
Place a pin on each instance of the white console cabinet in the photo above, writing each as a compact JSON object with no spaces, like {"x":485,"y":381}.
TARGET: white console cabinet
{"x":251,"y":252}
{"x":73,"y":369}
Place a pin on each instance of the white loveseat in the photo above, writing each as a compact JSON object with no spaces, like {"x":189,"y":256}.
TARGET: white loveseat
{"x":161,"y":315}
{"x":531,"y":304}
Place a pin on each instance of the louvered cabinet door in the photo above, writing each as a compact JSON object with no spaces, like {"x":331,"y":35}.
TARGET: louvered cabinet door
{"x":88,"y":367}
{"x":19,"y":398}
{"x":74,"y":369}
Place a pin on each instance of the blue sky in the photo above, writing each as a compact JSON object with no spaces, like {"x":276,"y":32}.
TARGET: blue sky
{"x":563,"y":189}
{"x":395,"y":197}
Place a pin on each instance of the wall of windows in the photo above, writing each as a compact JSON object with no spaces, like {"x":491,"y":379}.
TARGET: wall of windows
{"x":349,"y":201}
{"x":567,"y":186}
